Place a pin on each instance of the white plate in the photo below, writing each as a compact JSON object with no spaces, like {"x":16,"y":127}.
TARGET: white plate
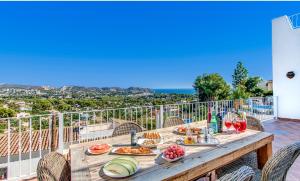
{"x":89,"y":151}
{"x":154,"y":152}
{"x":112,"y":175}
{"x":171,"y":160}
{"x":140,"y":142}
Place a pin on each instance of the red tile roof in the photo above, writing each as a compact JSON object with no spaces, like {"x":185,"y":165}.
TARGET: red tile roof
{"x":25,"y":141}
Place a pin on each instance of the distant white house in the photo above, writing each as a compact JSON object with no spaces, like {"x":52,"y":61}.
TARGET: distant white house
{"x":266,"y":85}
{"x":286,"y":65}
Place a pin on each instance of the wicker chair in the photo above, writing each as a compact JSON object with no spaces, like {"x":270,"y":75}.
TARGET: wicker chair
{"x":254,"y":124}
{"x":172,"y":121}
{"x":243,"y":173}
{"x":277,"y":167}
{"x":53,"y":167}
{"x":125,"y":128}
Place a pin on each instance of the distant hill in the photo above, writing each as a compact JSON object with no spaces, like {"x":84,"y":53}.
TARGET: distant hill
{"x":19,"y":86}
{"x":71,"y":90}
{"x":133,"y":90}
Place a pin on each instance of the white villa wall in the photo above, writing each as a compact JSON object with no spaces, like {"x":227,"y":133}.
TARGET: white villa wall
{"x":286,"y":57}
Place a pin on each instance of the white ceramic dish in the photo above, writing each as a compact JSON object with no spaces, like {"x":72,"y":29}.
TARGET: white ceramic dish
{"x":90,"y":152}
{"x":142,"y":140}
{"x":112,"y":175}
{"x":154,"y":152}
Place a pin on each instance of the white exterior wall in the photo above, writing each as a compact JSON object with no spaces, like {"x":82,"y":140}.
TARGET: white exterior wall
{"x":286,"y":57}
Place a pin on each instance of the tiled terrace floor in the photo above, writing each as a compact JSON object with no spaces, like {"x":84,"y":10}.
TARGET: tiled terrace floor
{"x":286,"y":132}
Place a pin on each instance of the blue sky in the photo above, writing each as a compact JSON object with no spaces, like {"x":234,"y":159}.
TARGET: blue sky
{"x":146,"y":44}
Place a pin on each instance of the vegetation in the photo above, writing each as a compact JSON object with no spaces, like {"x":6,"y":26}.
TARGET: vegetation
{"x":244,"y":85}
{"x":240,"y":92}
{"x":41,"y":105}
{"x":251,"y":86}
{"x":211,"y":87}
{"x":6,"y":112}
{"x":240,"y":75}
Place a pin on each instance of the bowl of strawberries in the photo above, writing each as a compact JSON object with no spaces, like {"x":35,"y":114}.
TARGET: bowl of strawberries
{"x":173,"y":153}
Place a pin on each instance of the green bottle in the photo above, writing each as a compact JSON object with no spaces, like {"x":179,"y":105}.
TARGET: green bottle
{"x":214,"y":123}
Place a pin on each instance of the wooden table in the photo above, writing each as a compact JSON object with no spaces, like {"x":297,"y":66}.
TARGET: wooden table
{"x":198,"y":160}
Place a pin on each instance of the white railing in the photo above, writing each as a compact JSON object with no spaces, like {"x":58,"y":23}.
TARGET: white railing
{"x":25,"y":140}
{"x":295,"y":20}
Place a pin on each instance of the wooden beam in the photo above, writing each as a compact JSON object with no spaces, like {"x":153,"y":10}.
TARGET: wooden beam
{"x":263,"y":155}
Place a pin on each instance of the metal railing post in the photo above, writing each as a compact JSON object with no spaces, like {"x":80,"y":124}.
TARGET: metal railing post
{"x":160,"y":117}
{"x":251,"y":106}
{"x":60,"y":132}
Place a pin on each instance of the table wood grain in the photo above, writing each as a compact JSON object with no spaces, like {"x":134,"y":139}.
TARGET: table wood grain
{"x":198,"y":161}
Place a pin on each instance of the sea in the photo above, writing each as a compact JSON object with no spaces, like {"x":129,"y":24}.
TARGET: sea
{"x":174,"y":91}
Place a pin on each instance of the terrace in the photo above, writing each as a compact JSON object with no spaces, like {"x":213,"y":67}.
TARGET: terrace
{"x":26,"y":140}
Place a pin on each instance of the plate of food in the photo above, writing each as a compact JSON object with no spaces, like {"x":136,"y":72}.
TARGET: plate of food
{"x":148,"y":143}
{"x":173,"y":153}
{"x":121,"y":167}
{"x":139,"y":151}
{"x":183,"y":130}
{"x":152,"y":136}
{"x":99,"y":149}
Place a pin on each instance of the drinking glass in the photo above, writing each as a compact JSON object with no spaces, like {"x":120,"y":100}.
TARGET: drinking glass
{"x":237,"y":125}
{"x":228,"y":124}
{"x":243,"y":125}
{"x":243,"y":122}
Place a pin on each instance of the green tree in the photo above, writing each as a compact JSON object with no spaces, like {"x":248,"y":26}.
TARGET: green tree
{"x":211,"y":87}
{"x":251,"y":85}
{"x":62,"y":106}
{"x":240,"y":75}
{"x":240,"y":92}
{"x":268,"y":93}
{"x":5,"y":113}
{"x":41,"y":105}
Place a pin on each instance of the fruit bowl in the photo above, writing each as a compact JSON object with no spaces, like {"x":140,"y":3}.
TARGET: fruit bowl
{"x":171,"y":160}
{"x":173,"y":153}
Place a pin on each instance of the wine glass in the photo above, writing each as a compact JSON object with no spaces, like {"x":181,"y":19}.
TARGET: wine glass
{"x":236,"y":124}
{"x":228,"y":124}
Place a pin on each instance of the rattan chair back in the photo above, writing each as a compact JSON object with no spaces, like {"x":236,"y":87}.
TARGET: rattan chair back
{"x":277,"y":167}
{"x":125,"y":128}
{"x":254,"y":124}
{"x":244,"y":173}
{"x":172,"y":121}
{"x":53,"y":167}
